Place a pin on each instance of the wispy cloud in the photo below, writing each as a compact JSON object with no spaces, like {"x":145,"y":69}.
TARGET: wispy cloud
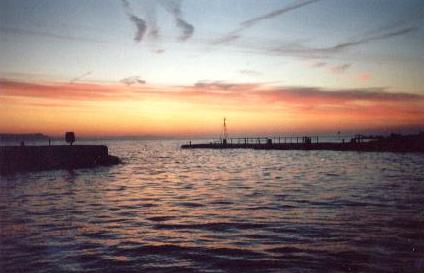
{"x":304,"y":49}
{"x":375,"y":37}
{"x":384,"y":33}
{"x":187,"y":29}
{"x":141,"y":27}
{"x":225,"y":86}
{"x":125,"y":4}
{"x":236,"y":34}
{"x":343,"y":95}
{"x":230,"y":37}
{"x":139,"y":23}
{"x":249,"y":72}
{"x":78,"y":78}
{"x":150,"y":25}
{"x":61,"y":91}
{"x":174,"y":7}
{"x":319,"y":64}
{"x":339,"y":69}
{"x":251,"y":22}
{"x":133,"y":80}
{"x":159,"y":51}
{"x":372,"y":94}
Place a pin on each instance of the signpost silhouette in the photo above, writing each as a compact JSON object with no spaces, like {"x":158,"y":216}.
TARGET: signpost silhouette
{"x":70,"y":137}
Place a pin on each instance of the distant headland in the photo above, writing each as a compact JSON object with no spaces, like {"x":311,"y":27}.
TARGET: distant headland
{"x":5,"y":137}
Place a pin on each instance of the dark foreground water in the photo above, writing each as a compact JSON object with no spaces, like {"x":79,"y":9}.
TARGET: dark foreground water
{"x":172,"y":210}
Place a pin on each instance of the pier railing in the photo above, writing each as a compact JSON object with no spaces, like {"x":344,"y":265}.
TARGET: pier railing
{"x":273,"y":140}
{"x":270,"y":140}
{"x":294,"y":139}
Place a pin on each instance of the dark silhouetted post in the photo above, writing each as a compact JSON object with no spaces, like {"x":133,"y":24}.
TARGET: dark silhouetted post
{"x":224,"y":133}
{"x":70,"y":137}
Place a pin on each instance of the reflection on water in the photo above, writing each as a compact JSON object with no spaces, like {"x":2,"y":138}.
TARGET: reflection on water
{"x":173,"y":210}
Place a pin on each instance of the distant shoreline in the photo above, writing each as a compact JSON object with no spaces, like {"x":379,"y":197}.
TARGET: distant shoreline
{"x":23,"y":137}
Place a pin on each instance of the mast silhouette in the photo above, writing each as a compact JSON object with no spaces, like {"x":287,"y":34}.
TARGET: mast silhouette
{"x":225,"y":132}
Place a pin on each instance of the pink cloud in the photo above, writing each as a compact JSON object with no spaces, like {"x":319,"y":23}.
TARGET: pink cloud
{"x":363,"y":77}
{"x":232,"y":96}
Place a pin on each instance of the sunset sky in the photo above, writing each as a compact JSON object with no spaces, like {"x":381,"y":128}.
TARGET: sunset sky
{"x":177,"y":68}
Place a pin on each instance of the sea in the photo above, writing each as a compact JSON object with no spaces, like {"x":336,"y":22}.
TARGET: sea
{"x":167,"y":209}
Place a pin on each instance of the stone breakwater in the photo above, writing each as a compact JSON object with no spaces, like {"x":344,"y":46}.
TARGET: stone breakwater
{"x":15,"y":159}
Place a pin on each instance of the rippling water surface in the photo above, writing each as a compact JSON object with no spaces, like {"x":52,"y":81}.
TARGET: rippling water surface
{"x":172,"y":210}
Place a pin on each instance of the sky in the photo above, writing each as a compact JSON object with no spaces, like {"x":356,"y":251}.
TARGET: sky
{"x":177,"y":68}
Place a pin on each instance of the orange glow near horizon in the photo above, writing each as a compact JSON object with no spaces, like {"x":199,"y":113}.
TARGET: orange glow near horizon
{"x":118,"y":110}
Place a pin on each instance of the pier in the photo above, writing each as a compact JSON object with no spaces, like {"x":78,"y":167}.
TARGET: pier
{"x":392,"y":143}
